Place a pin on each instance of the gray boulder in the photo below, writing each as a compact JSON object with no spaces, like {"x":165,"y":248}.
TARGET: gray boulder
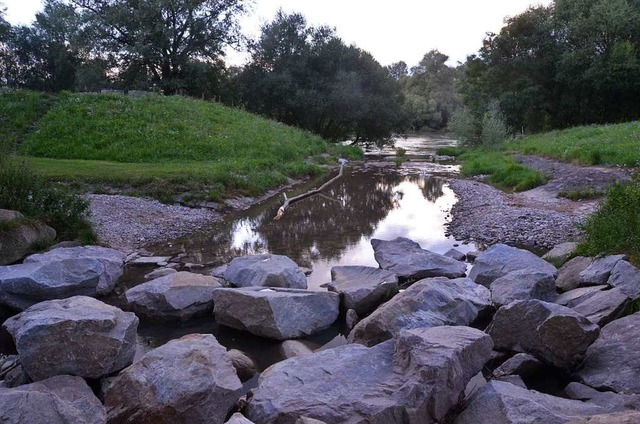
{"x":612,"y":362}
{"x":626,"y":417}
{"x":521,"y":364}
{"x":523,"y":284}
{"x":605,"y":306}
{"x":57,"y":400}
{"x":77,"y":336}
{"x":552,"y":333}
{"x":18,"y":235}
{"x":626,"y":277}
{"x":569,"y":273}
{"x":599,"y":270}
{"x":573,"y":297}
{"x":561,"y":253}
{"x":244,"y":366}
{"x":178,"y":296}
{"x":265,"y":271}
{"x":455,"y":254}
{"x":416,"y":378}
{"x":292,"y":348}
{"x":408,"y":260}
{"x":75,"y":258}
{"x":500,"y":259}
{"x":238,"y":418}
{"x":610,"y":400}
{"x":188,"y":380}
{"x":274,"y":312}
{"x":362,"y":288}
{"x":499,"y":402}
{"x":160,"y":272}
{"x":427,"y":303}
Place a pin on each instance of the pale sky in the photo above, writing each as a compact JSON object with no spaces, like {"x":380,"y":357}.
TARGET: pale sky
{"x":390,"y":31}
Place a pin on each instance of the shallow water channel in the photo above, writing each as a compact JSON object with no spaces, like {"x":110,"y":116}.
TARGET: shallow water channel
{"x":374,"y":199}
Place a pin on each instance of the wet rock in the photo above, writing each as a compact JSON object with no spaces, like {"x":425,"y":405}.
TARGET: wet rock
{"x":238,"y":418}
{"x":265,"y":271}
{"x":521,"y":364}
{"x":408,"y":260}
{"x":455,"y":254}
{"x":500,"y":259}
{"x":560,"y":253}
{"x":77,"y":336}
{"x":362,"y":288}
{"x":160,"y":272}
{"x":599,"y":270}
{"x":112,"y":262}
{"x":612,"y":362}
{"x":576,"y":296}
{"x":245,"y":367}
{"x":56,"y":400}
{"x":177,"y":296}
{"x":20,"y":235}
{"x":500,"y":402}
{"x":415,"y":378}
{"x":276,"y":313}
{"x":605,"y":306}
{"x":610,"y":400}
{"x":523,"y":284}
{"x":427,"y":303}
{"x":292,"y":348}
{"x":552,"y":333}
{"x":569,"y":274}
{"x":188,"y":380}
{"x":627,"y":278}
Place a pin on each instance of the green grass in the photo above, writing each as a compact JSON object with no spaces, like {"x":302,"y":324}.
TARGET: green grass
{"x":615,"y":227}
{"x":504,"y":172}
{"x":161,"y":146}
{"x":450,"y":151}
{"x":588,"y":145}
{"x":20,"y":111}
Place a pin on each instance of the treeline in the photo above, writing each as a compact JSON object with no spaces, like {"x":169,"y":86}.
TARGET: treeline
{"x":298,"y":74}
{"x":574,"y":62}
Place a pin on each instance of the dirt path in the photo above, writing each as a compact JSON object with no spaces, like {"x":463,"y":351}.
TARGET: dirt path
{"x":536,"y":218}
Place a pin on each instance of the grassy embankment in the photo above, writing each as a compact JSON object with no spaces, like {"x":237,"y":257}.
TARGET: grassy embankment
{"x":615,"y":228}
{"x":160,"y":146}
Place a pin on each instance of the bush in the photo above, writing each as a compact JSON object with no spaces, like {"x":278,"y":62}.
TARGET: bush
{"x":464,"y":126}
{"x":23,"y":190}
{"x":615,"y":227}
{"x":504,"y":171}
{"x":494,"y":127}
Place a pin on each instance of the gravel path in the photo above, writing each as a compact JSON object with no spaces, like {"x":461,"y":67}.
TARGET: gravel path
{"x":128,"y":223}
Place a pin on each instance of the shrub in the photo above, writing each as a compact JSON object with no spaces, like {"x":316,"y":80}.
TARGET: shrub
{"x":23,"y":190}
{"x":615,"y":227}
{"x":494,"y":127}
{"x":464,"y":126}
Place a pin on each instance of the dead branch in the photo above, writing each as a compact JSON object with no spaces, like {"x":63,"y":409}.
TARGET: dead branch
{"x":289,"y":201}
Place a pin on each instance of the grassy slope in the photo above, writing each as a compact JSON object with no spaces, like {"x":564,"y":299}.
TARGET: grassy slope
{"x":20,"y":111}
{"x":160,"y":145}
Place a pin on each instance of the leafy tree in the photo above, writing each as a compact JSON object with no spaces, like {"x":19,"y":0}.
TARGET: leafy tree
{"x":5,"y":32}
{"x":165,"y":41}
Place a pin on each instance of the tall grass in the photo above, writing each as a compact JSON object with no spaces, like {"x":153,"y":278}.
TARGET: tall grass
{"x":504,"y":172}
{"x":20,"y":111}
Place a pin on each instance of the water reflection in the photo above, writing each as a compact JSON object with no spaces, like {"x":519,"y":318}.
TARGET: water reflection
{"x":335,"y":227}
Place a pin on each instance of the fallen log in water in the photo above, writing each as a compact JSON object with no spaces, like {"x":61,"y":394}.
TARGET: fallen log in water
{"x":289,"y":201}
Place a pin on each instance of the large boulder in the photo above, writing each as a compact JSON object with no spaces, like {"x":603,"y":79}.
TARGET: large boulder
{"x":612,"y":362}
{"x":499,"y":402}
{"x":416,"y":378}
{"x":76,"y":336}
{"x":610,"y":400}
{"x":188,"y":380}
{"x":604,"y":306}
{"x":523,"y":284}
{"x":18,"y":235}
{"x":561,"y":253}
{"x":276,"y":313}
{"x":180,"y":296}
{"x":569,"y":273}
{"x":56,"y":400}
{"x":111,"y":260}
{"x":552,"y":333}
{"x":427,"y":303}
{"x":265,"y":271}
{"x":573,"y":297}
{"x":362,"y":288}
{"x":408,"y":260}
{"x":500,"y":259}
{"x":521,"y":364}
{"x":626,"y":277}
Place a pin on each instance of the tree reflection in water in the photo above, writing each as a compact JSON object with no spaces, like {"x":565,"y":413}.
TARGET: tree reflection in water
{"x":335,"y":227}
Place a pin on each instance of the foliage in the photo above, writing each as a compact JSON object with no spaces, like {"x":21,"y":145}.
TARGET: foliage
{"x":450,"y":151}
{"x":615,"y":227}
{"x":23,"y":190}
{"x":588,"y":145}
{"x":503,"y":170}
{"x":19,"y":113}
{"x":494,"y":127}
{"x":307,"y":77}
{"x":465,"y":126}
{"x":570,"y":63}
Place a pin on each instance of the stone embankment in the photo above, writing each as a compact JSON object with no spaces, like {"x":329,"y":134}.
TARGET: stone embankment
{"x":513,"y":340}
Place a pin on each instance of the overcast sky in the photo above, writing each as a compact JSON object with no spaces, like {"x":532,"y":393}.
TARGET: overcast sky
{"x":391,"y":31}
